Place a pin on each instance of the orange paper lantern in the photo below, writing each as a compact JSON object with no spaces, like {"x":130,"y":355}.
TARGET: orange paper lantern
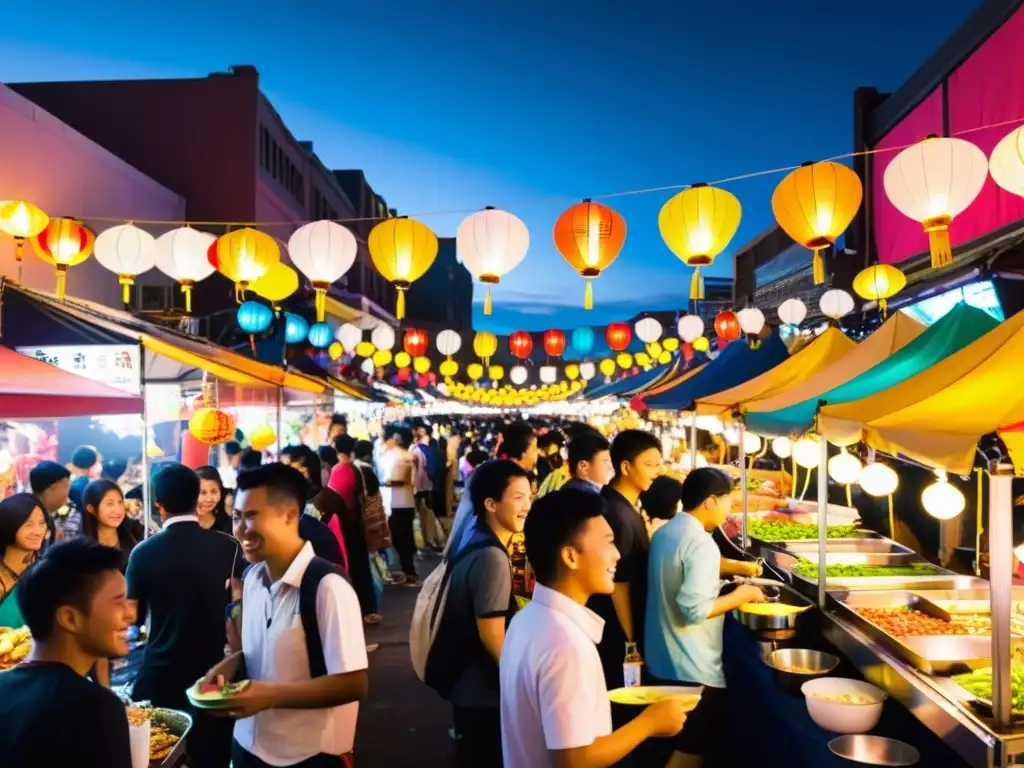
{"x":554,"y":343}
{"x":415,"y":342}
{"x":618,"y":336}
{"x":211,"y":426}
{"x":520,"y":344}
{"x":244,"y":256}
{"x":727,"y":326}
{"x":63,"y":243}
{"x":589,"y":236}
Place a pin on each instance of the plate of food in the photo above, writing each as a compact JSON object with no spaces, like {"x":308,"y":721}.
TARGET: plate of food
{"x":15,"y":646}
{"x":643,"y":695}
{"x":215,"y":694}
{"x":167,"y":731}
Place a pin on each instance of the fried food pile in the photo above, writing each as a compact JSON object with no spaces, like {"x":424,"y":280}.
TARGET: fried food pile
{"x":15,"y":646}
{"x":161,"y":740}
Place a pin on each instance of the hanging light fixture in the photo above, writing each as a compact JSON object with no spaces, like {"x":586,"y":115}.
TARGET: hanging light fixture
{"x":589,"y":237}
{"x":807,"y":453}
{"x":690,"y":328}
{"x":844,"y":468}
{"x":792,"y":312}
{"x":583,"y":340}
{"x":751,"y":323}
{"x":1006,"y":164}
{"x":782,"y":447}
{"x":727,"y":328}
{"x":548,"y":374}
{"x":491,"y":244}
{"x":402,"y":249}
{"x":127,"y":251}
{"x":295,"y":328}
{"x":879,"y":282}
{"x":321,"y":335}
{"x":181,"y":254}
{"x":323,"y":251}
{"x":942,"y":499}
{"x":554,"y":342}
{"x":879,"y":479}
{"x":587,"y":371}
{"x":349,"y":335}
{"x":648,"y":330}
{"x":21,"y":220}
{"x":520,"y":344}
{"x":244,"y":256}
{"x":383,"y":336}
{"x":518,"y":375}
{"x":63,"y":243}
{"x":697,"y":225}
{"x":618,"y":336}
{"x":836,"y":303}
{"x":277,"y":284}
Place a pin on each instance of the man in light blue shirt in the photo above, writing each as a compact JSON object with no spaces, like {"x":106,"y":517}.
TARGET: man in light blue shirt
{"x":685,"y":614}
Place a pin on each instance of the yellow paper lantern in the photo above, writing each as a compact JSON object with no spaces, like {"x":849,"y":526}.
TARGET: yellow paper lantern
{"x":880,"y":283}
{"x":279,"y":282}
{"x":607,"y":367}
{"x":485,"y":344}
{"x":696,"y":225}
{"x":572,"y":370}
{"x":665,"y":357}
{"x":262,"y":437}
{"x":624,"y":360}
{"x":475,"y":371}
{"x":701,"y":344}
{"x":495,"y":373}
{"x":211,"y":426}
{"x":448,"y":368}
{"x":335,"y":350}
{"x":815,"y":204}
{"x":402,"y":249}
{"x":403,"y":360}
{"x":670,"y":344}
{"x":365,"y":349}
{"x":421,"y":364}
{"x":382,"y":357}
{"x":21,"y":220}
{"x":642,"y":358}
{"x":244,"y":256}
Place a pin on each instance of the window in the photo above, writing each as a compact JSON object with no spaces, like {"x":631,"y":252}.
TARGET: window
{"x":274,"y":160}
{"x":153,"y":297}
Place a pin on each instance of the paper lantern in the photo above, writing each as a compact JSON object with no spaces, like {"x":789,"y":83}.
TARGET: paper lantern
{"x":933,"y":182}
{"x":880,"y":283}
{"x":583,"y":340}
{"x":415,"y":342}
{"x":696,"y":225}
{"x":365,"y":349}
{"x":63,"y":243}
{"x":648,"y":330}
{"x":21,"y":220}
{"x":262,"y":437}
{"x":277,"y":284}
{"x":254,"y":317}
{"x":402,"y":249}
{"x":844,"y":468}
{"x":782,"y":447}
{"x":181,"y":254}
{"x":323,"y":251}
{"x":624,"y":360}
{"x":495,"y":373}
{"x":211,"y":426}
{"x":335,"y":350}
{"x":244,"y":256}
{"x":127,"y":251}
{"x":665,"y":357}
{"x":607,"y":367}
{"x":403,"y":360}
{"x":295,"y":328}
{"x":836,"y":303}
{"x":518,"y":375}
{"x":448,"y":368}
{"x":403,"y":375}
{"x":807,"y":453}
{"x":367,"y":366}
{"x":491,"y":244}
{"x":642,"y":358}
{"x":554,"y":343}
{"x":670,"y":344}
{"x":485,"y":344}
{"x":1006,"y":163}
{"x":382,"y":357}
{"x":792,"y":312}
{"x":548,"y":374}
{"x":815,"y":204}
{"x":690,"y":328}
{"x":321,"y":335}
{"x":727,"y":327}
{"x":571,"y":371}
{"x":421,"y":364}
{"x":474,"y":371}
{"x":751,"y":443}
{"x":448,"y":342}
{"x":751,"y":323}
{"x":587,"y":371}
{"x":349,"y":335}
{"x":618,"y":336}
{"x":422,"y":380}
{"x":941,"y":499}
{"x":589,"y":236}
{"x":701,"y":344}
{"x":383,"y":336}
{"x":520,"y":344}
{"x":879,"y":479}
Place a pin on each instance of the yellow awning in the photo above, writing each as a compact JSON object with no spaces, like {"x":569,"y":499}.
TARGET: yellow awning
{"x":939,"y":415}
{"x":669,"y":383}
{"x":824,"y":350}
{"x":895,"y":333}
{"x":342,"y":311}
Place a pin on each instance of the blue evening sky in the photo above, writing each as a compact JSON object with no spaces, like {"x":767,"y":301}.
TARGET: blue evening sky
{"x":452,"y":105}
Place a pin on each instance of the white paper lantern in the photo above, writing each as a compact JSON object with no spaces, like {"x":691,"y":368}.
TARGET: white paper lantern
{"x":710,"y":424}
{"x":1007,"y":162}
{"x":844,"y":468}
{"x":807,"y":453}
{"x":941,"y":499}
{"x":836,"y":303}
{"x":448,"y":342}
{"x":782,"y":447}
{"x":127,"y":251}
{"x":367,"y":366}
{"x":792,"y":311}
{"x":731,"y":434}
{"x":751,"y":320}
{"x":879,"y":479}
{"x":751,"y":443}
{"x":548,"y":374}
{"x":323,"y":251}
{"x":684,"y":462}
{"x":518,"y":375}
{"x":648,"y":330}
{"x":690,"y":328}
{"x":181,"y":255}
{"x":349,"y":335}
{"x":383,"y":337}
{"x":491,"y":244}
{"x":587,"y":371}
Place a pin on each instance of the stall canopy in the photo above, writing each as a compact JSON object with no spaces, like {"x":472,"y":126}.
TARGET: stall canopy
{"x":32,"y":389}
{"x":938,"y":416}
{"x":953,"y":332}
{"x":736,"y":364}
{"x":628,"y":386}
{"x":824,"y":350}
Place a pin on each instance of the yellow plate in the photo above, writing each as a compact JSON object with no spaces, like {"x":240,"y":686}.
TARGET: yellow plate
{"x":648,"y":694}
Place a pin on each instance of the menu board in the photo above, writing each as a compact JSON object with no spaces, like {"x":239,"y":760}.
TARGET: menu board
{"x":115,"y":365}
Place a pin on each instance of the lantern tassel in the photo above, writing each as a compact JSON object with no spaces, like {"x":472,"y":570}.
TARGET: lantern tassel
{"x":488,"y":306}
{"x":62,"y":277}
{"x":400,"y":308}
{"x":186,"y":290}
{"x":588,"y":295}
{"x":697,"y":285}
{"x":938,"y":241}
{"x":126,"y":288}
{"x":19,"y":249}
{"x":818,"y":267}
{"x":321,"y":304}
{"x":883,"y":307}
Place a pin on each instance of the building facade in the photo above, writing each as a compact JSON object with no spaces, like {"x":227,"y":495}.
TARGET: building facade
{"x":443,"y":297}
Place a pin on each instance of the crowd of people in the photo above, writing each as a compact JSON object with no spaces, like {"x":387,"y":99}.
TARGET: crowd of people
{"x":566,"y":571}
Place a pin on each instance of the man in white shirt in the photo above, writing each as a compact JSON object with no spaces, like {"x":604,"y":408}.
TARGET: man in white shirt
{"x":396,"y":467}
{"x":554,"y":704}
{"x":302,"y":704}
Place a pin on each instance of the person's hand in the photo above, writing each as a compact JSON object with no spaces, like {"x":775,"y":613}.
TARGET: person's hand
{"x":667,"y":716}
{"x":235,"y":585}
{"x":753,"y":569}
{"x":256,"y":698}
{"x":748,"y":593}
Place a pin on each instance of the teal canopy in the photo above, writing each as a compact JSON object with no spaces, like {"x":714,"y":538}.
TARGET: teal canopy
{"x":958,"y":328}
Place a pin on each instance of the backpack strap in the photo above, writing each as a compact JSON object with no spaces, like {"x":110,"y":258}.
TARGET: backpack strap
{"x":317,"y":569}
{"x":450,"y":563}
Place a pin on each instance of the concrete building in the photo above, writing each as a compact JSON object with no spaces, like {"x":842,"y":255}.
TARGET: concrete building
{"x":443,"y":297}
{"x":52,"y":165}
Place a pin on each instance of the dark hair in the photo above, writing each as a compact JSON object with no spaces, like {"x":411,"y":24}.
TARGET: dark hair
{"x":584,"y":447}
{"x":232,"y":448}
{"x":345,"y":444}
{"x":629,"y":444}
{"x":68,"y":573}
{"x":401,"y":433}
{"x":114,"y":468}
{"x":84,"y":457}
{"x":249,"y":460}
{"x":554,"y":522}
{"x":46,"y":473}
{"x":491,"y":479}
{"x":364,"y":450}
{"x":282,"y":483}
{"x":213,"y":475}
{"x":476,"y":457}
{"x":704,"y":482}
{"x":661,"y":500}
{"x":327,"y":455}
{"x":308,"y":458}
{"x":329,"y":504}
{"x":176,"y":489}
{"x":339,"y":419}
{"x":129,"y":532}
{"x":14,"y":512}
{"x":515,"y":439}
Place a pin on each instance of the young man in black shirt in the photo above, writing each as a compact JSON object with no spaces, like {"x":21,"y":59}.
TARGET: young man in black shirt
{"x":75,"y":603}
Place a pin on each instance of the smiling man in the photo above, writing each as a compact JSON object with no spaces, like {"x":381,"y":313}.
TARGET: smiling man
{"x":75,"y":603}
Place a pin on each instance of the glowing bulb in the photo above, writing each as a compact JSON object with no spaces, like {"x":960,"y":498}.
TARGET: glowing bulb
{"x":782,"y":447}
{"x":807,"y":453}
{"x":845,"y":468}
{"x":879,"y":480}
{"x":941,"y":499}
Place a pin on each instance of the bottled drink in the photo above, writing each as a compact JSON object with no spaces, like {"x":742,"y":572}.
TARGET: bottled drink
{"x":631,"y":666}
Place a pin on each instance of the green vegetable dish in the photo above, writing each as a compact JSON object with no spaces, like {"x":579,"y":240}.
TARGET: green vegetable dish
{"x":841,"y":571}
{"x":778,"y":530}
{"x":979,"y":685}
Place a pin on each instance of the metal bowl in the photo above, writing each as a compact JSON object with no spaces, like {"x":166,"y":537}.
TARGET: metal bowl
{"x":760,"y":622}
{"x":874,"y":750}
{"x":812,"y":665}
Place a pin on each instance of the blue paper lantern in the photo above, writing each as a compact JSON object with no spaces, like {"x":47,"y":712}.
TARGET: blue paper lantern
{"x":583,"y":340}
{"x":321,"y":335}
{"x":321,"y":358}
{"x":254,"y":317}
{"x":295,"y":328}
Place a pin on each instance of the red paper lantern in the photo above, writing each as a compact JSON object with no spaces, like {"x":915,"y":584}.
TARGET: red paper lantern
{"x":422,"y":380}
{"x":687,"y":352}
{"x":727,"y":327}
{"x":415,"y":342}
{"x":554,"y":343}
{"x":618,"y":336}
{"x":404,"y":374}
{"x":637,"y":404}
{"x":520,"y":344}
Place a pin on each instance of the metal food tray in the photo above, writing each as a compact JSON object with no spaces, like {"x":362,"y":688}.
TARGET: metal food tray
{"x":865,"y":535}
{"x":968,"y":601}
{"x":179,"y":724}
{"x":879,"y":545}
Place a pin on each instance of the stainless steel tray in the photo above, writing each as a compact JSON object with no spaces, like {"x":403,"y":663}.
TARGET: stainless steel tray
{"x":968,"y":600}
{"x":178,"y":723}
{"x":868,"y":545}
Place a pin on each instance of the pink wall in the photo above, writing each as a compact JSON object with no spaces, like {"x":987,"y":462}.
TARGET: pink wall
{"x":987,"y":88}
{"x":55,"y":167}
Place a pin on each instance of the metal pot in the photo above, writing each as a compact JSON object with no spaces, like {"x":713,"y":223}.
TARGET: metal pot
{"x":758,"y":622}
{"x":811,"y":665}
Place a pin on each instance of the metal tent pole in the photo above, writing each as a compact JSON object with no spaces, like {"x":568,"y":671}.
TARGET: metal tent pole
{"x":822,"y":520}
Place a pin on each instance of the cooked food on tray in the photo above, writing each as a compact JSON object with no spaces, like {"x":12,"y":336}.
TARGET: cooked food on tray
{"x":161,"y":740}
{"x":849,"y":571}
{"x":901,"y":621}
{"x":779,"y":530}
{"x":15,"y":646}
{"x":845,"y":698}
{"x":979,"y":685}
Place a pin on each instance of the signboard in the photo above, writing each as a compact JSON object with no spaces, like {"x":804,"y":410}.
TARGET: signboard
{"x":115,"y":365}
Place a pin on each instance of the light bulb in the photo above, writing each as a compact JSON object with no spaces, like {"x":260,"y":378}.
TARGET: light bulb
{"x":845,"y":468}
{"x":782,"y":447}
{"x":879,"y":480}
{"x":807,"y":453}
{"x":941,"y":499}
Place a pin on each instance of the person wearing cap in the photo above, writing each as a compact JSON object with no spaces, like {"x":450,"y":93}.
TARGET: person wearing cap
{"x":83,"y":460}
{"x":51,"y":483}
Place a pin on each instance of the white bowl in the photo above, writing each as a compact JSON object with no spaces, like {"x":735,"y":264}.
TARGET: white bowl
{"x":843,"y":718}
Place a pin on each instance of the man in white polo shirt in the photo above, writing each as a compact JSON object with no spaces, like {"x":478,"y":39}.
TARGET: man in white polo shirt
{"x":302,"y":704}
{"x":554,"y":704}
